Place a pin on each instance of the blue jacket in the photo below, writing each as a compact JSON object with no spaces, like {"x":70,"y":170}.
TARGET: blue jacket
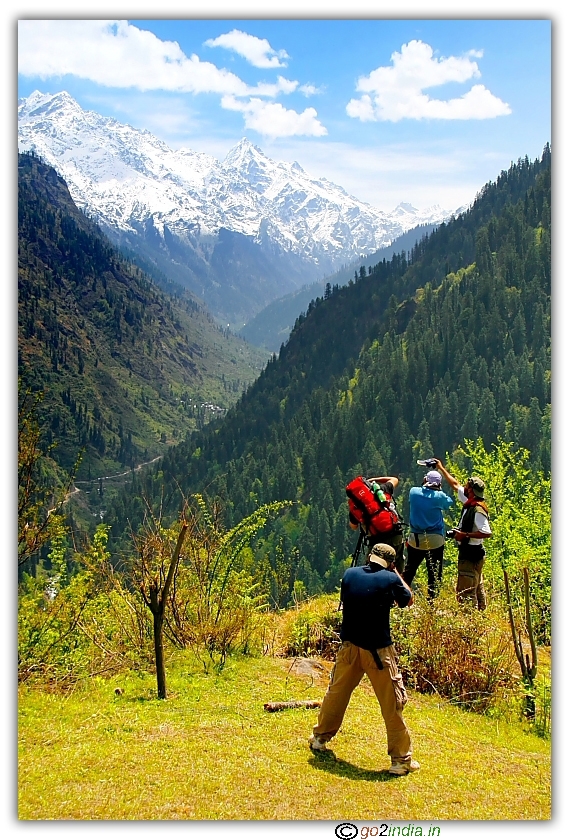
{"x":426,"y":510}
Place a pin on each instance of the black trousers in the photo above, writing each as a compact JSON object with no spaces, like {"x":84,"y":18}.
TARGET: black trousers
{"x":434,"y":566}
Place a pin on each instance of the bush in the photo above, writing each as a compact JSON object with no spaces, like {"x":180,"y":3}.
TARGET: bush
{"x":216,"y":606}
{"x":50,"y":646}
{"x":455,"y":651}
{"x":71,"y":628}
{"x":444,"y":648}
{"x":312,"y":629}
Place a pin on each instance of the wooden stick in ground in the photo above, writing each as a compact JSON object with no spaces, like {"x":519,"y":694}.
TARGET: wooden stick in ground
{"x":518,"y":648}
{"x":531,"y":668}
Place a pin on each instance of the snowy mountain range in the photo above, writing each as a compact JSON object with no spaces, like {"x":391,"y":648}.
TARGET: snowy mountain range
{"x":238,"y":233}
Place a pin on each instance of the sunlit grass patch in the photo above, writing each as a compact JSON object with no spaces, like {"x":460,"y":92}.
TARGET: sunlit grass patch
{"x":211,"y":752}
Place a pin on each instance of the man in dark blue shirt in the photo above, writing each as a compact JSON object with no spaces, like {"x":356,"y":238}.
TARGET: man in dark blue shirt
{"x":368,"y":593}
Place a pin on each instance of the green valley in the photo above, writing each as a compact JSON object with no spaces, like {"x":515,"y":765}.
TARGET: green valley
{"x":422,"y":354}
{"x":211,"y":580}
{"x":126,"y":370}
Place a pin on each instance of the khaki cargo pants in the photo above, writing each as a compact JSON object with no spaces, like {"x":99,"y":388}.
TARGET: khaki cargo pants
{"x":351,"y":664}
{"x":469,"y":586}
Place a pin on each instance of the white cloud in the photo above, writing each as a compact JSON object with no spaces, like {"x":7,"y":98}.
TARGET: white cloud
{"x":310,"y":90}
{"x":116,"y":54}
{"x":272,"y":90}
{"x":257,"y":51}
{"x":273,"y":120}
{"x":395,"y":93}
{"x":119,"y":55}
{"x":362,"y":109}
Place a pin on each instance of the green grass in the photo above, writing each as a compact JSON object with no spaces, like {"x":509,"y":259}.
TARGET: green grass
{"x":211,"y":752}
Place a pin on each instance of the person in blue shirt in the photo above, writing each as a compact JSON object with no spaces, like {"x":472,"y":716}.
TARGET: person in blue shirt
{"x":368,"y":593}
{"x":426,"y":539}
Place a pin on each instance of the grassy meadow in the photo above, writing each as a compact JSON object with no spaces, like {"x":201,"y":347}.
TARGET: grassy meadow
{"x":109,"y":750}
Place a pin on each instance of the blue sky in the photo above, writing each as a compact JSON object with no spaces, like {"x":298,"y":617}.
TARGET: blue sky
{"x":416,"y":110}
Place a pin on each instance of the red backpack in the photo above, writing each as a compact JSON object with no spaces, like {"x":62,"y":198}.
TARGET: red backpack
{"x":371,"y":507}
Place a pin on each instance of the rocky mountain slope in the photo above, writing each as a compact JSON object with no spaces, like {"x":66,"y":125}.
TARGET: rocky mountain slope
{"x":239,"y":233}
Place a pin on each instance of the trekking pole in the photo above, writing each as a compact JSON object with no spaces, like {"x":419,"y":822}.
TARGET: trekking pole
{"x":355,"y":557}
{"x":356,"y":554}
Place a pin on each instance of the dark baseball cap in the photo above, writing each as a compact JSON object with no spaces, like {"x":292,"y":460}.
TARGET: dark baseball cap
{"x":381,"y":551}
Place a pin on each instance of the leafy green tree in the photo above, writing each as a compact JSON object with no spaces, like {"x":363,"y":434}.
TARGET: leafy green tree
{"x":520,"y":506}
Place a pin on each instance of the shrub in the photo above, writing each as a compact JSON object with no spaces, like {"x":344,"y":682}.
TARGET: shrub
{"x":444,"y":648}
{"x":312,"y":628}
{"x":70,"y":628}
{"x":455,"y":651}
{"x":216,"y":605}
{"x":50,"y":647}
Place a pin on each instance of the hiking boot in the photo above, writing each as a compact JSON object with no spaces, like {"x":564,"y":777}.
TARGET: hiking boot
{"x":402,"y":768}
{"x":316,"y":744}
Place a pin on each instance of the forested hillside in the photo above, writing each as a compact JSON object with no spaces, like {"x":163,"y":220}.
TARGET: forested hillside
{"x":271,"y":327}
{"x":413,"y":358}
{"x":125,"y":369}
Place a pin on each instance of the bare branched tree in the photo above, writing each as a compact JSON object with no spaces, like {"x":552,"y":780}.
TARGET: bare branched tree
{"x":158,"y":567}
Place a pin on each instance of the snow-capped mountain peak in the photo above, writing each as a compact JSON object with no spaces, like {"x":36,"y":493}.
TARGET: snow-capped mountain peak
{"x":132,"y":182}
{"x":243,"y":152}
{"x":407,"y":208}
